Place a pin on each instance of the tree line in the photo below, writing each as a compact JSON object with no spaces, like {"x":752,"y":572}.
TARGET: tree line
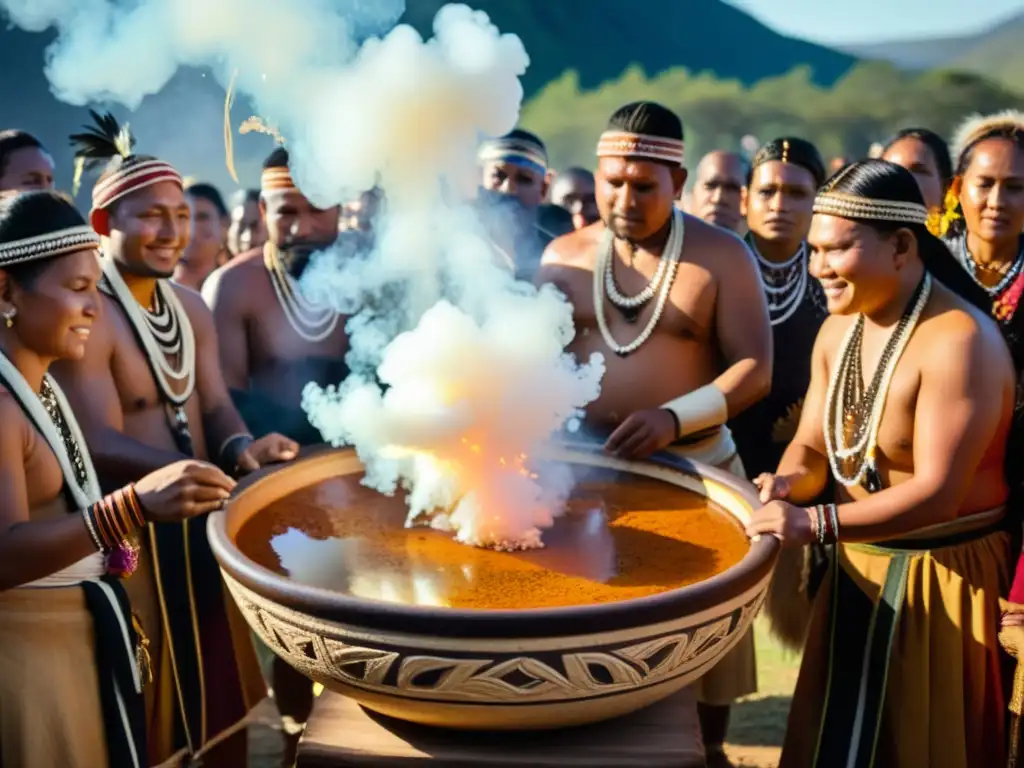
{"x":867,"y":105}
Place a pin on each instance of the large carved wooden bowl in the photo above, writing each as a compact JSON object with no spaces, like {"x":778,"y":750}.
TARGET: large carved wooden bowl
{"x":498,"y":669}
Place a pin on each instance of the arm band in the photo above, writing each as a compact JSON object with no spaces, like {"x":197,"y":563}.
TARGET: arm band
{"x":701,"y":409}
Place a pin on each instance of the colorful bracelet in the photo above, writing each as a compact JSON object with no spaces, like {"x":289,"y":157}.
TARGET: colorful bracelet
{"x":113,"y":520}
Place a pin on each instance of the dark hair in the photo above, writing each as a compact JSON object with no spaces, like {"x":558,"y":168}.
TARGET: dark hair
{"x":881,"y":180}
{"x":789,"y":149}
{"x":936,"y":145}
{"x":278,"y":158}
{"x":529,"y":138}
{"x":31,"y":214}
{"x":12,"y":141}
{"x":647,"y":117}
{"x":209,"y":193}
{"x":243,"y":197}
{"x":578,"y":172}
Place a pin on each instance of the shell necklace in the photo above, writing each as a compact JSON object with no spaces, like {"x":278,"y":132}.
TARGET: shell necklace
{"x":664,"y":276}
{"x":853,"y":415}
{"x":165,"y":334}
{"x":312,"y":322}
{"x":784,"y":284}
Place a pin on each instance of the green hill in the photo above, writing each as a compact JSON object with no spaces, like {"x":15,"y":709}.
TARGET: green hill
{"x":996,"y":53}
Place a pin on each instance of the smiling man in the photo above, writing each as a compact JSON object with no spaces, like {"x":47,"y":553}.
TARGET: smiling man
{"x":149,"y":392}
{"x":682,"y":324}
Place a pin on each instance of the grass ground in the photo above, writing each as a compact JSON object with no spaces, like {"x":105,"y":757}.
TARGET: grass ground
{"x":755,"y":734}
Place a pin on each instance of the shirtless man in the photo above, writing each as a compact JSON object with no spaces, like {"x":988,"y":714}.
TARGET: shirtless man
{"x":273,"y":341}
{"x":673,"y":377}
{"x":719,"y":191}
{"x":150,"y":393}
{"x":908,"y":410}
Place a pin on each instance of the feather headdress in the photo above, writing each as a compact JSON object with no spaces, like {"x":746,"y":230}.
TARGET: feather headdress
{"x":968,"y":133}
{"x":109,"y":145}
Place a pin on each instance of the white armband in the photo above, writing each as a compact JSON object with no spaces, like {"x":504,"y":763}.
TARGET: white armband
{"x":699,"y":410}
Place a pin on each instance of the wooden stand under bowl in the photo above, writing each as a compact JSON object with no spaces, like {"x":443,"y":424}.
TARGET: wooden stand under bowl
{"x":342,"y":733}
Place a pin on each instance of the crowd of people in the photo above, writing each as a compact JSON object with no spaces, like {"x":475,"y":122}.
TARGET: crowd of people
{"x":848,"y":339}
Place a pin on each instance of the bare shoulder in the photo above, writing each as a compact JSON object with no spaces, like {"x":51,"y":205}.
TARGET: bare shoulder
{"x":830,"y":335}
{"x":17,"y":430}
{"x":232,"y":283}
{"x":199,"y":314}
{"x":956,"y":326}
{"x":575,"y":249}
{"x":716,"y":248}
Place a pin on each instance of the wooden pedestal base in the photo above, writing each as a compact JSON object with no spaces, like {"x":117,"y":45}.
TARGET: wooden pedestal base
{"x":341,"y":733}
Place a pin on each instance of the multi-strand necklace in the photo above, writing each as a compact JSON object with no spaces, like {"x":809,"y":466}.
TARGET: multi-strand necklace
{"x":853,"y":411}
{"x":784,"y":284}
{"x":660,"y":285}
{"x":1009,"y":271}
{"x":166,"y":336}
{"x":312,"y":322}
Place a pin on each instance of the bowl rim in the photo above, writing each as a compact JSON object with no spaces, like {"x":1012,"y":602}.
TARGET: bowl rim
{"x":754,"y":567}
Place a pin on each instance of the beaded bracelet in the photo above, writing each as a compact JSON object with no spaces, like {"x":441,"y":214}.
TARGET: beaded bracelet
{"x":826,"y":529}
{"x":231,"y":451}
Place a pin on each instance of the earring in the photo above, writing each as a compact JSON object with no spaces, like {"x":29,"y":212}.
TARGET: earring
{"x":9,"y":317}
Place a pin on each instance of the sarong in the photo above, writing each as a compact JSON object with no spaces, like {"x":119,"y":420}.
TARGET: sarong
{"x":69,"y":693}
{"x":736,"y":674}
{"x":902,"y":664}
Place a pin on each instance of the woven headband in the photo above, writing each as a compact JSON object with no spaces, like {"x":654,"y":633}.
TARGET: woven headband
{"x":513,"y":149}
{"x":854,"y":207}
{"x":276,"y":179}
{"x":51,"y":244}
{"x":132,"y":178}
{"x":626,"y":144}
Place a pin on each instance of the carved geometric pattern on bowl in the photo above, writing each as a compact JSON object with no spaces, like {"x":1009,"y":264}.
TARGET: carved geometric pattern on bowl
{"x":520,"y":679}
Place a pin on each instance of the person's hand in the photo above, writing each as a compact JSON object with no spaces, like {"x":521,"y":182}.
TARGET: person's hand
{"x":267,"y":450}
{"x":791,"y":524}
{"x":182,"y":490}
{"x":772,"y":487}
{"x":642,"y":433}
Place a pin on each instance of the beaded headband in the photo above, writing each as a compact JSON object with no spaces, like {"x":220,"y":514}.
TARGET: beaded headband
{"x":854,"y":207}
{"x":276,"y":180}
{"x":131,"y":178}
{"x":626,"y":144}
{"x":51,"y":244}
{"x":513,"y":150}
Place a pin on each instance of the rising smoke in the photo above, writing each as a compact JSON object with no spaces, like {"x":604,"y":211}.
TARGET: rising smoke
{"x":473,"y":362}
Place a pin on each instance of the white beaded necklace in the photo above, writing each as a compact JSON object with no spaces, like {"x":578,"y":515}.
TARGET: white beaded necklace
{"x":835,"y":437}
{"x":165,"y":333}
{"x":310,"y":321}
{"x":669,"y":263}
{"x":785,"y":299}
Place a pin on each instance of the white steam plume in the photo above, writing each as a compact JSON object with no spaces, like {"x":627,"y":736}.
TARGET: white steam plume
{"x":474,"y":364}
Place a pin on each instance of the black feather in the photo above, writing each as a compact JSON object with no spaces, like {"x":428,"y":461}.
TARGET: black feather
{"x":97,"y":145}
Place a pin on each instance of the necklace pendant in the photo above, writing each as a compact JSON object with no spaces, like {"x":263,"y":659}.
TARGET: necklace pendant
{"x":622,"y":353}
{"x":631,"y":315}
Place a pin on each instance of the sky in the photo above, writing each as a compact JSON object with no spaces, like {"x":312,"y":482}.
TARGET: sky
{"x":858,"y":21}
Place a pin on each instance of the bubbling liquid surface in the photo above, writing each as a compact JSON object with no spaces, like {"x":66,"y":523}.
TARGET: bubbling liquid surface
{"x":621,"y":537}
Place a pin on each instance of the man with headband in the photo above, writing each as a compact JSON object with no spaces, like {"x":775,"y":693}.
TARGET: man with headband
{"x":514,"y":180}
{"x":273,"y":341}
{"x":681,"y":322}
{"x":149,"y":393}
{"x":907,"y":413}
